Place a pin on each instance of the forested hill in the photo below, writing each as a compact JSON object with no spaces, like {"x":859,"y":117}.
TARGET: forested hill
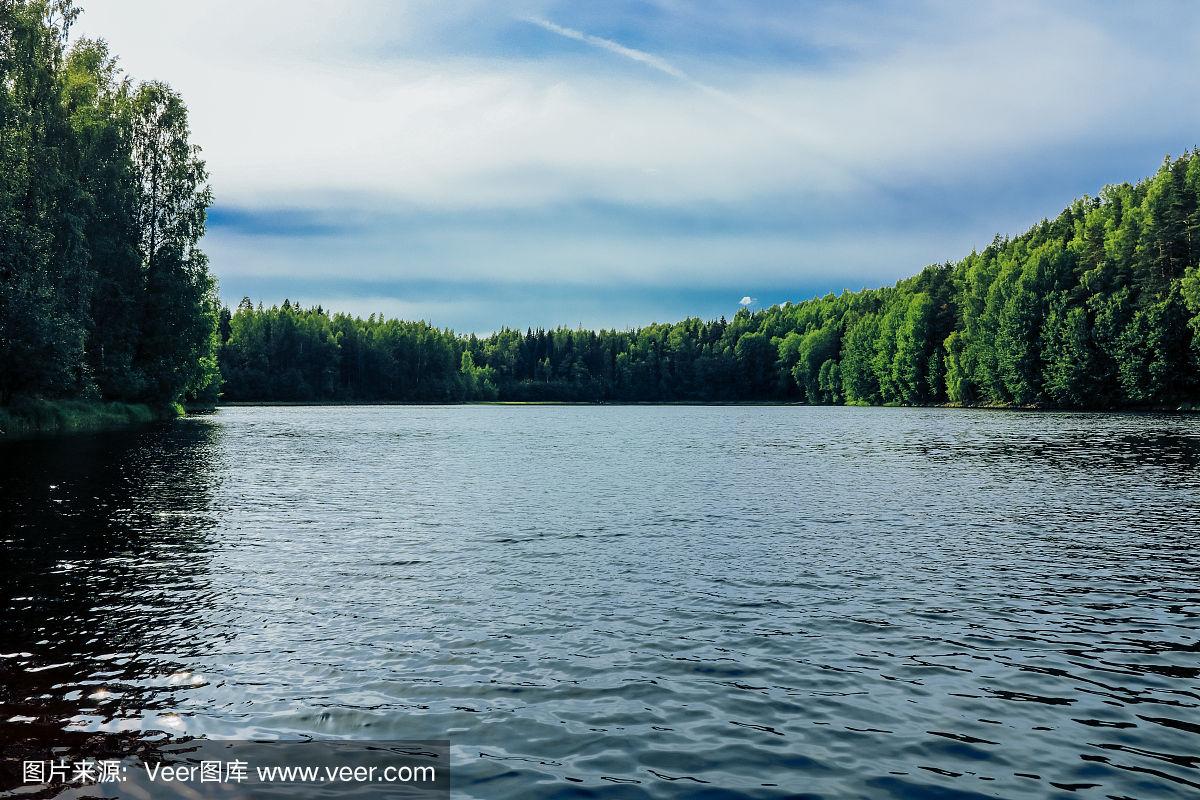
{"x":103,"y":293}
{"x":1097,"y":308}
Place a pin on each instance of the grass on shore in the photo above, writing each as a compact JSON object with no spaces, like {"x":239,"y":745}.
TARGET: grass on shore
{"x":27,"y":417}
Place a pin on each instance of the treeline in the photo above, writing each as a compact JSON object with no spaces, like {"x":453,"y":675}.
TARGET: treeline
{"x":290,"y":353}
{"x":1099,"y":307}
{"x":103,"y":292}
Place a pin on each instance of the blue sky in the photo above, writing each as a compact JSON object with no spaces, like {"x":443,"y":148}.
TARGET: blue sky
{"x":479,"y":164}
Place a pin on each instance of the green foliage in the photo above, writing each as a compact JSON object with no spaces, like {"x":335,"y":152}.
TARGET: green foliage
{"x":829,"y":381}
{"x":814,"y":351}
{"x":1190,"y":292}
{"x":756,"y":355}
{"x":478,"y":382}
{"x":103,"y":293}
{"x":910,"y":364}
{"x":294,"y":354}
{"x":860,"y":385}
{"x":44,"y":277}
{"x":177,"y":350}
{"x":1096,"y":308}
{"x":1068,"y":355}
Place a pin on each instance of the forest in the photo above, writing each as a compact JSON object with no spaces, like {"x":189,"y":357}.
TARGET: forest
{"x":104,"y":294}
{"x":1097,"y":308}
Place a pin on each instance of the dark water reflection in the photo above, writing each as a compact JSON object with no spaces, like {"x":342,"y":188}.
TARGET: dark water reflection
{"x":102,"y":536}
{"x":636,"y":602}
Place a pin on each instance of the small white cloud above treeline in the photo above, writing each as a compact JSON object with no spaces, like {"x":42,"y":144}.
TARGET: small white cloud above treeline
{"x":745,"y":301}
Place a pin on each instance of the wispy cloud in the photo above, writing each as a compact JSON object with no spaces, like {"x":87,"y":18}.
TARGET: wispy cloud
{"x":667,"y":68}
{"x":637,"y":148}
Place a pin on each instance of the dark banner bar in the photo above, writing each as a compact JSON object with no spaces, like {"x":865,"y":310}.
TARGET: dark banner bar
{"x":239,"y":770}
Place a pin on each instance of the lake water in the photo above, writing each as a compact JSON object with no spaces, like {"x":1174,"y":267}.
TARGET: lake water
{"x":627,"y":601}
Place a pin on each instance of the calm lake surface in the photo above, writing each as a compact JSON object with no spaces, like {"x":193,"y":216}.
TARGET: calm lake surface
{"x":627,"y":601}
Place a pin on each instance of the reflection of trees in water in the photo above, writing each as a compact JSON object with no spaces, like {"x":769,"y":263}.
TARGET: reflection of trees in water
{"x":104,"y":541}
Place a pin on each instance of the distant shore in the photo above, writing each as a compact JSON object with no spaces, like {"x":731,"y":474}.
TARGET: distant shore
{"x":29,"y":419}
{"x":281,"y":403}
{"x":1180,"y":408}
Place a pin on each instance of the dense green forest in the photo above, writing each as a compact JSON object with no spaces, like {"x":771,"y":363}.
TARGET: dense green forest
{"x":1099,"y":307}
{"x":103,"y":292}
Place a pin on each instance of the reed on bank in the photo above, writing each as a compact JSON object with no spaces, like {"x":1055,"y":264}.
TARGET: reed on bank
{"x":28,"y":417}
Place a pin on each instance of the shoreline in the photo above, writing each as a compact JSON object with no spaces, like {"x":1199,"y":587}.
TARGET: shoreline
{"x":1181,"y":408}
{"x":33,"y":419}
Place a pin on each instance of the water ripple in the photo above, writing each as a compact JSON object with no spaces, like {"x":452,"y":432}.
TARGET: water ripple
{"x":636,"y":602}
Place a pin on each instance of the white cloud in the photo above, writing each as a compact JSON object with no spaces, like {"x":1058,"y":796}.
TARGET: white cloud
{"x":283,"y":113}
{"x":745,"y":301}
{"x":379,"y":106}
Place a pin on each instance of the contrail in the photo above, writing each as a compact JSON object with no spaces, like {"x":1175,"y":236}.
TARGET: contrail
{"x":667,"y":68}
{"x":661,"y":65}
{"x":639,"y":56}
